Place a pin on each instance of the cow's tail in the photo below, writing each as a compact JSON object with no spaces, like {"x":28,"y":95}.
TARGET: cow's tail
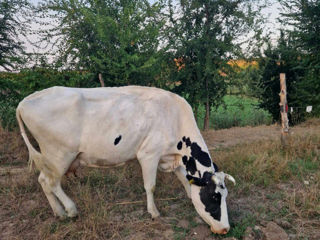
{"x":34,"y":155}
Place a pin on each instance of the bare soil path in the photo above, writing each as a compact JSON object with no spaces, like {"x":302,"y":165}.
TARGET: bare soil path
{"x":240,"y":135}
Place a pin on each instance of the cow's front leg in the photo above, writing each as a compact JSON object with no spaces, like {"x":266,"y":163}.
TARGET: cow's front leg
{"x":149,"y":172}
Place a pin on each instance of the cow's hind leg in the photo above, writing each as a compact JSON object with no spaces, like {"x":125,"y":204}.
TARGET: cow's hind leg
{"x":45,"y":183}
{"x":57,"y":167}
{"x":69,"y":205}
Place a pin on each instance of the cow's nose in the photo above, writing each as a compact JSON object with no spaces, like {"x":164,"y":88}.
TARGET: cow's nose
{"x":222,"y":231}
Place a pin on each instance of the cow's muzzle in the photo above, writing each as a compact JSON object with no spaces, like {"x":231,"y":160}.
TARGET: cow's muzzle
{"x":221,"y":231}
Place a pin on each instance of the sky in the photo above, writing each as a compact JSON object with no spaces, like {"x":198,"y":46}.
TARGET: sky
{"x":271,"y":12}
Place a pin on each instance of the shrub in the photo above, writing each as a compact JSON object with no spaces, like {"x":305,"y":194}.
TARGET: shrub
{"x":15,"y":86}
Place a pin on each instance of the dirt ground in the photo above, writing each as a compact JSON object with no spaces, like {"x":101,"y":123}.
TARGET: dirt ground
{"x":240,"y":135}
{"x":25,"y":213}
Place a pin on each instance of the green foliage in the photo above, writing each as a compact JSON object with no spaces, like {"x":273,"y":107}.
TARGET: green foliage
{"x":298,"y":56}
{"x":119,"y":39}
{"x":236,"y":112}
{"x":202,"y":35}
{"x":280,"y":59}
{"x":15,"y":86}
{"x":13,"y":23}
{"x":238,"y":229}
{"x":304,"y":18}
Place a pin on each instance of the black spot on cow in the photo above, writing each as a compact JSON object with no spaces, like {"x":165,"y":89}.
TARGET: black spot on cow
{"x":211,"y":200}
{"x":200,"y":155}
{"x":215,"y":167}
{"x":197,"y":153}
{"x":203,"y":181}
{"x":188,"y":142}
{"x":207,"y":178}
{"x":117,"y":140}
{"x":195,"y":180}
{"x":185,"y":160}
{"x":179,"y":146}
{"x":191,"y":166}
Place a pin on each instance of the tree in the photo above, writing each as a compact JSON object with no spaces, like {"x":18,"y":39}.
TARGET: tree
{"x":12,"y":25}
{"x":297,"y":54}
{"x":303,"y":17}
{"x":283,"y":58}
{"x":204,"y":35}
{"x":119,"y":39}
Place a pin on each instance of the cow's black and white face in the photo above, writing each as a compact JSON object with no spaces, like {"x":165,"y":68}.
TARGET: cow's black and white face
{"x":208,"y":190}
{"x":210,"y":202}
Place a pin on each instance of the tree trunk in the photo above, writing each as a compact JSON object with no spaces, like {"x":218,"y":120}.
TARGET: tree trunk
{"x":207,"y":117}
{"x":101,"y":80}
{"x":207,"y":105}
{"x":196,"y":107}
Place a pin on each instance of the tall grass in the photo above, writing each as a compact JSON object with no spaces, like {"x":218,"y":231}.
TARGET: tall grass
{"x":266,"y":163}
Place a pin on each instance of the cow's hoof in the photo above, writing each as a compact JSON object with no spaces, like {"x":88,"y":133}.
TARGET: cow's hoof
{"x":73,"y":213}
{"x":60,"y":213}
{"x":155,"y":214}
{"x":61,"y":216}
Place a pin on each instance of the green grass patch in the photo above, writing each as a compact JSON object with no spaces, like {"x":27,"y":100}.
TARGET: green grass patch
{"x":301,"y":167}
{"x":236,"y":112}
{"x":238,"y":229}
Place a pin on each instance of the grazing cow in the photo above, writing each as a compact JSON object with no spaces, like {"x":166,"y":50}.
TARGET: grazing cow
{"x":105,"y":127}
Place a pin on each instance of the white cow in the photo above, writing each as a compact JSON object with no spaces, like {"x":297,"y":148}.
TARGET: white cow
{"x":104,"y":127}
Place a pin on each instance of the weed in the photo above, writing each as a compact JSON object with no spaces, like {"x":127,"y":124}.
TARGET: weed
{"x":238,"y":228}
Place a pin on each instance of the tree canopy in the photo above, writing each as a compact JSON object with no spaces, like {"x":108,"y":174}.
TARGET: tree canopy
{"x":119,"y":39}
{"x":13,"y":25}
{"x":297,"y":54}
{"x":203,"y":35}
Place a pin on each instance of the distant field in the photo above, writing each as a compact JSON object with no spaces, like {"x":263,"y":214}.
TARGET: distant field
{"x":236,"y":112}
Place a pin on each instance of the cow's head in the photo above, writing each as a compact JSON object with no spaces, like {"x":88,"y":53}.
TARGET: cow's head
{"x":209,"y":198}
{"x":208,"y":190}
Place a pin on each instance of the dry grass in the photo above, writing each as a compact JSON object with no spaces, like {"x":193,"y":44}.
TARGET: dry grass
{"x":286,"y":181}
{"x":271,"y":186}
{"x":12,"y":149}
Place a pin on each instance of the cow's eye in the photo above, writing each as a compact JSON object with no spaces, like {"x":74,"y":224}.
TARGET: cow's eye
{"x":221,"y":186}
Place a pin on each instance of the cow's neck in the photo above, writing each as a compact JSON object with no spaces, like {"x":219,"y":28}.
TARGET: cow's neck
{"x":196,"y":159}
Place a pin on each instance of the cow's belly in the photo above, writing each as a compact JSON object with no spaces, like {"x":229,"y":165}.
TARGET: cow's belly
{"x":84,"y":159}
{"x":89,"y":160}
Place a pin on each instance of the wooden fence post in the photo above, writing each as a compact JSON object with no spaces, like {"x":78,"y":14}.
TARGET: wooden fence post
{"x":284,"y":110}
